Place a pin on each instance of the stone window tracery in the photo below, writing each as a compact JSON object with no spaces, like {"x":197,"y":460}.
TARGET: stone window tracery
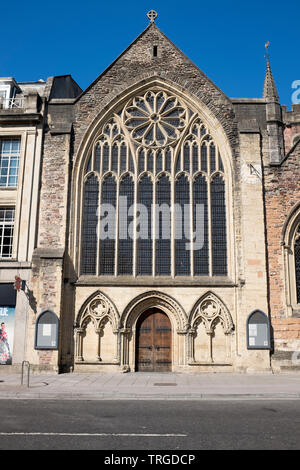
{"x":155,"y":152}
{"x":155,"y":119}
{"x":211,"y":326}
{"x":96,"y":331}
{"x":291,"y":256}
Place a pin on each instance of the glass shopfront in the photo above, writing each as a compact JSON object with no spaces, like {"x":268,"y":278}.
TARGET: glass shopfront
{"x":7,"y":322}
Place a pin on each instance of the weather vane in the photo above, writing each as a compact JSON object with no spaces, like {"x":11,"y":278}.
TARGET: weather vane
{"x":267,"y":49}
{"x":152,"y":15}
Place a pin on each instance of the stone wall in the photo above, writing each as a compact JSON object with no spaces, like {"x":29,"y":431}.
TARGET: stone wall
{"x":47,"y":265}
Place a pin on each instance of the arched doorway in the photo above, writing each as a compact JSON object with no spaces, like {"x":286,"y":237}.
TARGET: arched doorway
{"x":153,"y":342}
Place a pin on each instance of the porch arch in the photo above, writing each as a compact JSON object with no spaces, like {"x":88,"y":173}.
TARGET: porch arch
{"x":154,"y":299}
{"x":133,"y":311}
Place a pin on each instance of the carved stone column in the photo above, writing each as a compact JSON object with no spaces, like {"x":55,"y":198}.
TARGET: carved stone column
{"x":78,"y":344}
{"x":117,"y":353}
{"x":210,"y":333}
{"x":191,"y":345}
{"x":125,"y":333}
{"x":99,"y":332}
{"x":182,"y":351}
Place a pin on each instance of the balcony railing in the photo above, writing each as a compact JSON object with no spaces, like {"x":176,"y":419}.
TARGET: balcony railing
{"x":12,"y":103}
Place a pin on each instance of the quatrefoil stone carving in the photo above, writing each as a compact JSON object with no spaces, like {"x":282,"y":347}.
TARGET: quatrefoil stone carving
{"x":209,"y":308}
{"x":98,"y":308}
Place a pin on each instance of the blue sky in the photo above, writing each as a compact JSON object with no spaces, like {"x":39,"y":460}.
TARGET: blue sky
{"x":224,"y":39}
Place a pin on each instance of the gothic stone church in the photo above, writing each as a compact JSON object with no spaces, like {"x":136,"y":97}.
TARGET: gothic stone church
{"x":152,"y":129}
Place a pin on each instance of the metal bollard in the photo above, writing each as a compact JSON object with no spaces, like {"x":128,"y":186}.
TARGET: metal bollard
{"x":27,"y":364}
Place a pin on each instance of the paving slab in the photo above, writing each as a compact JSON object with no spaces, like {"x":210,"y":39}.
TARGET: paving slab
{"x":168,"y":386}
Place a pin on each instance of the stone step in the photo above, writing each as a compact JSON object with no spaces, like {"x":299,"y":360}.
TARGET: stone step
{"x":295,"y":368}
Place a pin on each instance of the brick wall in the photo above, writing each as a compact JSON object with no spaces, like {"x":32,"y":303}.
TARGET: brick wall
{"x":282,"y":193}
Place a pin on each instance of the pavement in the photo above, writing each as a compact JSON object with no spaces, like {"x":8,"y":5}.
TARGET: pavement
{"x":150,"y":386}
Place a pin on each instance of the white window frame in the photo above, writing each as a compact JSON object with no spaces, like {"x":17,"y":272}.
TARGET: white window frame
{"x":9,"y":157}
{"x":9,"y":223}
{"x":5,"y":99}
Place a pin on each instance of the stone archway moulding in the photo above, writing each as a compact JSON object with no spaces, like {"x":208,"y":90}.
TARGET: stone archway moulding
{"x":289,"y":235}
{"x":150,"y":300}
{"x":208,"y":309}
{"x":98,"y":307}
{"x":292,"y":219}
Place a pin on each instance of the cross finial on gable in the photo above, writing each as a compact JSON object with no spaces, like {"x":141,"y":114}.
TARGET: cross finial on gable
{"x":152,"y":15}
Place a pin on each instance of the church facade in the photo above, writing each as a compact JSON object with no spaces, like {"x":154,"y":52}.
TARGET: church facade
{"x":161,"y":216}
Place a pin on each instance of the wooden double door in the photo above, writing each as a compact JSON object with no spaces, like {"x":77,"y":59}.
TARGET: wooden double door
{"x":153,"y":342}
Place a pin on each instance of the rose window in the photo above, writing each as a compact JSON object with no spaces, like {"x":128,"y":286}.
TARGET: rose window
{"x":155,"y":119}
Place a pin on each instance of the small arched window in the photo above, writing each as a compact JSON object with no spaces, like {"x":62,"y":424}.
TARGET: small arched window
{"x":297,"y":267}
{"x":291,"y":253}
{"x":296,"y":250}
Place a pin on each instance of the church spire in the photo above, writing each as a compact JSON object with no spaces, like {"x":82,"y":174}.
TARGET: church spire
{"x":270,"y":91}
{"x":273,"y":116}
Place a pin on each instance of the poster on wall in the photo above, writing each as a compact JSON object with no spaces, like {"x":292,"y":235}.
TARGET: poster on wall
{"x":7,"y":321}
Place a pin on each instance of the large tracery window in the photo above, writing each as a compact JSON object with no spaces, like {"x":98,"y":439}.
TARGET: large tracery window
{"x":156,"y":164}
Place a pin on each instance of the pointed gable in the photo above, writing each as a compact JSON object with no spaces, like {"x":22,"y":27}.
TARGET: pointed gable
{"x":153,"y":56}
{"x":154,"y":51}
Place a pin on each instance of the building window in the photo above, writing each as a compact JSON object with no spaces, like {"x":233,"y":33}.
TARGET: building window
{"x":291,"y":256}
{"x":4,"y":96}
{"x":9,"y":162}
{"x":297,"y":262}
{"x":163,"y":227}
{"x":108,"y":243}
{"x":7,"y":218}
{"x":89,"y":239}
{"x":158,"y":166}
{"x":125,"y":242}
{"x":144,"y":242}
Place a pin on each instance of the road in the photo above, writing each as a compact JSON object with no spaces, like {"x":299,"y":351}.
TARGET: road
{"x":149,"y":425}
